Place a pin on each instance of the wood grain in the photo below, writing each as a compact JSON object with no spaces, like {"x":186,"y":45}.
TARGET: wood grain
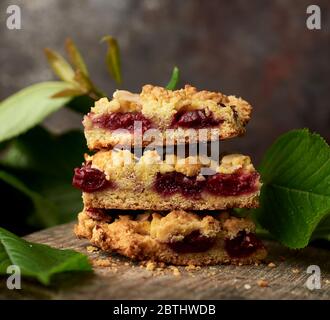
{"x":123,"y":279}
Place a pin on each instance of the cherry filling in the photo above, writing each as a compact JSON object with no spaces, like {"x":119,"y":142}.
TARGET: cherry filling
{"x":122,"y":120}
{"x":196,"y":119}
{"x":193,"y":242}
{"x":234,"y":184}
{"x":173,"y":182}
{"x":243,"y":245}
{"x":89,"y":179}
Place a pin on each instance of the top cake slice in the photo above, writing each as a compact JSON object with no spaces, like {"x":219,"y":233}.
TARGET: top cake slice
{"x":162,"y":116}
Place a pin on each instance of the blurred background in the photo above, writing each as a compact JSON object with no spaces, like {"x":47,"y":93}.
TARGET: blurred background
{"x":260,"y":50}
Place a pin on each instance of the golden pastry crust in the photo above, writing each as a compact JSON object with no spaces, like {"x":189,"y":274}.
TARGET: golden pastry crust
{"x":140,"y":199}
{"x":147,"y":236}
{"x":159,"y":105}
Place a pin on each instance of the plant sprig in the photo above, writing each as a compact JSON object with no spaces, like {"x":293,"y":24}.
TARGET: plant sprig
{"x":175,"y":77}
{"x":112,"y":59}
{"x":77,"y":73}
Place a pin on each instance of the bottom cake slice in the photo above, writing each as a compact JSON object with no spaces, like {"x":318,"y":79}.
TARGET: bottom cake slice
{"x":177,"y":237}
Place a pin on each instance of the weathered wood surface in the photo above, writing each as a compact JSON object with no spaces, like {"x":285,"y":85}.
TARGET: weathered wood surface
{"x":126,"y":280}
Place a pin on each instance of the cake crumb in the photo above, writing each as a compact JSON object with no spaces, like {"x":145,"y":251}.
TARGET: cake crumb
{"x":247,"y":287}
{"x":150,"y":266}
{"x":91,"y":249}
{"x":271,"y":265}
{"x":295,"y":270}
{"x":190,"y":267}
{"x":262,"y":283}
{"x":176,"y":272}
{"x":102,"y":263}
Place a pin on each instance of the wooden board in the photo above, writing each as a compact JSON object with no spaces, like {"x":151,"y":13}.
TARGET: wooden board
{"x":122,"y":279}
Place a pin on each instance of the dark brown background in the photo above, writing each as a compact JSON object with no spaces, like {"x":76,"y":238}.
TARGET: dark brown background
{"x":260,"y":50}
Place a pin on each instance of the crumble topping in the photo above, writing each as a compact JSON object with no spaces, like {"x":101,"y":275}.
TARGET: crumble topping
{"x":177,"y":224}
{"x":124,"y":96}
{"x":160,"y":105}
{"x":234,"y":225}
{"x":123,"y":101}
{"x":104,"y":106}
{"x":233,"y":162}
{"x":189,"y":166}
{"x":121,"y":162}
{"x":114,"y":164}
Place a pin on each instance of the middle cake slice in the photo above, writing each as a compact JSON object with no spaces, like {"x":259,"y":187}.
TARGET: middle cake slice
{"x":116,"y":179}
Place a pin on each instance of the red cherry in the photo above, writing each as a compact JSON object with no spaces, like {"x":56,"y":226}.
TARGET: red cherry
{"x":122,"y":120}
{"x":243,"y":245}
{"x":89,"y":179}
{"x":196,"y":119}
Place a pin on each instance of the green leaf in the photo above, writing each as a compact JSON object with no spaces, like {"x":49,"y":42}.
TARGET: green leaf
{"x":295,"y":196}
{"x":113,"y":58}
{"x":44,"y":209}
{"x":323,"y":229}
{"x":42,"y":152}
{"x":4,"y":260}
{"x":75,"y":57}
{"x":60,"y":66}
{"x":28,"y":107}
{"x":174,"y":79}
{"x":44,"y":162}
{"x":38,"y":260}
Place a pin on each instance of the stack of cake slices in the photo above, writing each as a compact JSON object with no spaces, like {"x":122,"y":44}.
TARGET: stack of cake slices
{"x":168,"y":206}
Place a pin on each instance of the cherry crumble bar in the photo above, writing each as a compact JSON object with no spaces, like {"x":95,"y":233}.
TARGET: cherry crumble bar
{"x":168,"y":209}
{"x":171,"y":113}
{"x":177,"y":237}
{"x":115,"y":179}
